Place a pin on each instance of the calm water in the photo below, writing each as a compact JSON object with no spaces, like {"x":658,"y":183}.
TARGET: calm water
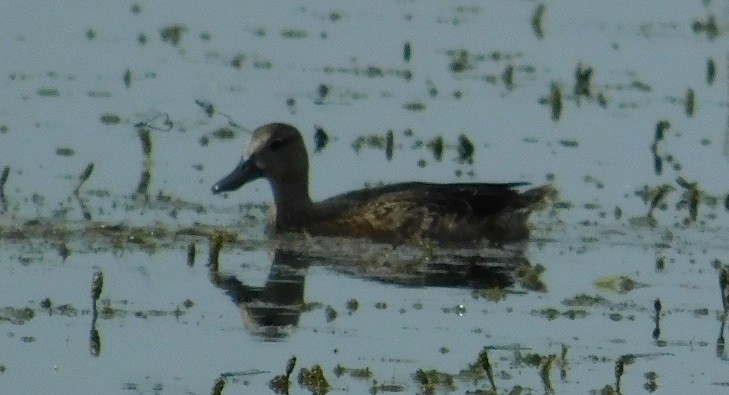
{"x":560,"y":313}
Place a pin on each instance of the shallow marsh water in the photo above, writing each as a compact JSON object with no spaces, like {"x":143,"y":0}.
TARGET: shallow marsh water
{"x":562,"y":313}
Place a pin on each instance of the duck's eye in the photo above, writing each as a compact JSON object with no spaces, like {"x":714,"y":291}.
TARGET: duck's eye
{"x":276,"y":144}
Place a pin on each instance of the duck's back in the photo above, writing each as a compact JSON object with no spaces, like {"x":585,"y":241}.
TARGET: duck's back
{"x":446,"y":212}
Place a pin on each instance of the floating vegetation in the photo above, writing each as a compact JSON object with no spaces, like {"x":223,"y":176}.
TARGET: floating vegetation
{"x":661,"y":128}
{"x":657,"y":319}
{"x":389,"y":144}
{"x":224,"y":133}
{"x":431,"y":380}
{"x":710,"y":27}
{"x":191,"y":254}
{"x":97,"y":285}
{"x":146,"y":176}
{"x":436,"y":146}
{"x":357,"y":373}
{"x":460,"y":61}
{"x":294,"y":33}
{"x":16,"y":316}
{"x":554,"y":100}
{"x":619,"y":284}
{"x":369,"y":71}
{"x":507,"y":76}
{"x":530,"y":277}
{"x":291,"y":104}
{"x":569,"y":143}
{"x":65,"y":151}
{"x":280,"y":384}
{"x":406,"y":52}
{"x":172,"y":34}
{"x":690,"y":102}
{"x":219,"y":385}
{"x":83,"y":177}
{"x":313,"y":379}
{"x":321,"y":139}
{"x":536,"y":20}
{"x":3,"y":199}
{"x":465,"y":149}
{"x":238,"y":61}
{"x":620,"y":369}
{"x":583,"y":74}
{"x":655,"y":196}
{"x":415,"y":106}
{"x":371,"y":141}
{"x":216,"y":244}
{"x":723,"y":271}
{"x":710,"y":71}
{"x":330,"y":314}
{"x":90,"y":34}
{"x":322,"y":92}
{"x":690,"y":198}
{"x":48,"y":92}
{"x":335,"y":16}
{"x":127,"y":78}
{"x":352,"y":306}
{"x":110,"y":119}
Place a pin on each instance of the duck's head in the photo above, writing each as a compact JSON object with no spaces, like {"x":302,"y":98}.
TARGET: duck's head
{"x":276,"y":152}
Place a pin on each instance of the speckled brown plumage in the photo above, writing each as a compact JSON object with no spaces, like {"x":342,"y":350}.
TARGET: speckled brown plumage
{"x":391,"y":213}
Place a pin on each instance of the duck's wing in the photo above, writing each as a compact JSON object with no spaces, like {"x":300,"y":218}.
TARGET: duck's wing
{"x":459,"y":199}
{"x":438,"y":211}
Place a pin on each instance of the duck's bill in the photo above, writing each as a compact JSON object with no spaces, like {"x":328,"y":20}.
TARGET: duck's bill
{"x":245,"y":171}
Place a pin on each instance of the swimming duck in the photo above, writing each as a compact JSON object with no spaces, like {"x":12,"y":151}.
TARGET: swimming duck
{"x":395,"y":213}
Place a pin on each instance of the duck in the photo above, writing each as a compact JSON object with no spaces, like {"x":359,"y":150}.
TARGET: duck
{"x":394,"y":213}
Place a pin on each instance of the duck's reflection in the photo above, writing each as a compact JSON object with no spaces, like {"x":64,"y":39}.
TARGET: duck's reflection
{"x":273,"y":309}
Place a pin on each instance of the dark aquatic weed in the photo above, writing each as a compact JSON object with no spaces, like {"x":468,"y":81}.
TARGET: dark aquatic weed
{"x":431,"y":380}
{"x":238,"y":61}
{"x":146,"y":176}
{"x":313,"y":379}
{"x":436,"y":146}
{"x":191,"y":255}
{"x":465,"y":149}
{"x":710,"y":26}
{"x":536,"y":21}
{"x":389,"y":144}
{"x":507,"y":76}
{"x":460,"y":61}
{"x":218,"y":386}
{"x":127,"y":78}
{"x":415,"y":106}
{"x":690,"y":102}
{"x":583,"y":75}
{"x":321,"y":139}
{"x":172,"y":34}
{"x":110,"y":119}
{"x":280,"y":384}
{"x":3,"y":180}
{"x":710,"y":71}
{"x":352,"y":306}
{"x":356,"y":373}
{"x":48,"y":92}
{"x":65,"y":151}
{"x":83,"y":178}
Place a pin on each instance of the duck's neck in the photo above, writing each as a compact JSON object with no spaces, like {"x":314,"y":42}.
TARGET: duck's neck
{"x":293,"y":205}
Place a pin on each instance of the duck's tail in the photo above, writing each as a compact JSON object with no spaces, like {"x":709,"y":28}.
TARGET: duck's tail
{"x":538,"y":198}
